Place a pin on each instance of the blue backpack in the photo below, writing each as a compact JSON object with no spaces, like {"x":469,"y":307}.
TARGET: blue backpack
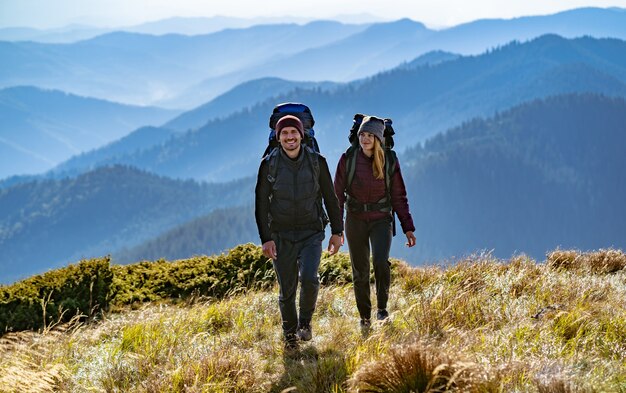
{"x":309,"y":143}
{"x":303,"y":113}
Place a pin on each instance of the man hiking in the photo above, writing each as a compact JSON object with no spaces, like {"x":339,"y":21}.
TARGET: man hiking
{"x":293,"y":180}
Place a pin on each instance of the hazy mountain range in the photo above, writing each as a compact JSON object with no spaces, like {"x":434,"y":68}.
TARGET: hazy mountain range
{"x":41,"y":128}
{"x":187,"y":71}
{"x":206,"y":235}
{"x":175,"y":25}
{"x":241,"y":97}
{"x":546,"y":174}
{"x":514,"y":149}
{"x":542,"y":175}
{"x":145,"y":69}
{"x":140,"y":139}
{"x":422,"y":101}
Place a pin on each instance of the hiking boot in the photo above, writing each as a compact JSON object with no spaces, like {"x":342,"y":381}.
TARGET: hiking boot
{"x":365,"y":324}
{"x":291,"y":343}
{"x":381,"y":315}
{"x":304,"y":332}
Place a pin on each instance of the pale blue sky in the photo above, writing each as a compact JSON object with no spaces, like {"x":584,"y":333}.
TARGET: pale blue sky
{"x":115,"y":13}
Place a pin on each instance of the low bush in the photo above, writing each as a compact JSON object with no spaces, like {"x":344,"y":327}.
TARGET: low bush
{"x":56,"y":296}
{"x":92,"y":285}
{"x":243,"y":267}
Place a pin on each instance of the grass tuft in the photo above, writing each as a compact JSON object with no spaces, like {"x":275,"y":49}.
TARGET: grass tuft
{"x":598,"y":262}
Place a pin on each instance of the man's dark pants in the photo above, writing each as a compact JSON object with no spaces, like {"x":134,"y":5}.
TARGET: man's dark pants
{"x":360,"y":234}
{"x":297,"y":256}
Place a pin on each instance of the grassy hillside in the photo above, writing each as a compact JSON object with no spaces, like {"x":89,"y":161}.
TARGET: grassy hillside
{"x":481,"y":325}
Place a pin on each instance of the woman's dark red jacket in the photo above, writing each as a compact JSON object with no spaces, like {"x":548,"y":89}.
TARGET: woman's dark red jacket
{"x":367,"y":189}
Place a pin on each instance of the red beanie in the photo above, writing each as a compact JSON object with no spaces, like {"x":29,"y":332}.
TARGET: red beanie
{"x":289,"y":121}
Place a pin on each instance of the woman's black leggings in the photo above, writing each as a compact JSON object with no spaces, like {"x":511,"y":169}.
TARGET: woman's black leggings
{"x":360,"y":234}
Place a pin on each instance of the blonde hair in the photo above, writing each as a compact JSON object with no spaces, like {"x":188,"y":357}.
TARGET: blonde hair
{"x":378,"y":165}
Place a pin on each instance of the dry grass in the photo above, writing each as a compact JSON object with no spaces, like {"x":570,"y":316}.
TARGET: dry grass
{"x":481,"y":325}
{"x":421,"y":367}
{"x":600,"y":262}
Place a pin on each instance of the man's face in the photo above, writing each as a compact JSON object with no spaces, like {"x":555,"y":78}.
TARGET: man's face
{"x":290,"y":138}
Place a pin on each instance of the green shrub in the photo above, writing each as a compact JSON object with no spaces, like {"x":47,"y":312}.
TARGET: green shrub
{"x":244,"y":267}
{"x":335,"y":269}
{"x":90,"y":285}
{"x":55,"y":296}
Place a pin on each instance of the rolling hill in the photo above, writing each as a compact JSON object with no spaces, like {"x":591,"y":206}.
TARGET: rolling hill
{"x":422,"y":101}
{"x":543,"y":175}
{"x":210,"y":234}
{"x":45,"y":224}
{"x":241,"y":97}
{"x":142,"y":138}
{"x":41,"y":128}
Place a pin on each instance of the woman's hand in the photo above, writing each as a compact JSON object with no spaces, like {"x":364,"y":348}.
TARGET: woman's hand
{"x":410,"y":237}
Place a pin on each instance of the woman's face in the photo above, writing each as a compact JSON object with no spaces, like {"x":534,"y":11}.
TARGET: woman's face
{"x":366,"y":140}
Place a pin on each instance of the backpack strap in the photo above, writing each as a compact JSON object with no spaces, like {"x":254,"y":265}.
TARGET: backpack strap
{"x":391,"y":160}
{"x":383,"y":204}
{"x":350,"y":165}
{"x":272,"y":161}
{"x":390,"y":167}
{"x":314,"y":157}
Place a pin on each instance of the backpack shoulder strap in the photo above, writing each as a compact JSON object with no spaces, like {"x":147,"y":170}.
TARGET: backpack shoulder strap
{"x":391,"y":159}
{"x":314,"y":157}
{"x":350,"y":165}
{"x":390,"y":167}
{"x":315,"y":160}
{"x":272,"y":161}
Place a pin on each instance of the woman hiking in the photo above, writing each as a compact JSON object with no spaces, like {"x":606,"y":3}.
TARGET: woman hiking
{"x":369,"y":199}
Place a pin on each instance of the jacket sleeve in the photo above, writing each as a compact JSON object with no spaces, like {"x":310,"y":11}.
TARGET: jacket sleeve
{"x":340,"y":183}
{"x":330,"y":199}
{"x":262,"y":203}
{"x":399,"y":200}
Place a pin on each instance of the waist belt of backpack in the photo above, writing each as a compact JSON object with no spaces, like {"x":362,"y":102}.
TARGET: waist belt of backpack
{"x":357,"y":207}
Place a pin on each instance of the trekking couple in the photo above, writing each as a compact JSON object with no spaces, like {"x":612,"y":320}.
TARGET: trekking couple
{"x":293,"y":180}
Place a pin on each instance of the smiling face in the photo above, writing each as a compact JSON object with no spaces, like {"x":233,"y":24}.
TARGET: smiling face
{"x":366,"y":140}
{"x":290,"y":140}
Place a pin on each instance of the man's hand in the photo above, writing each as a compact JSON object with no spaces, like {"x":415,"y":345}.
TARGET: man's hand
{"x":410,"y":237}
{"x":334,"y":244}
{"x":269,"y":249}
